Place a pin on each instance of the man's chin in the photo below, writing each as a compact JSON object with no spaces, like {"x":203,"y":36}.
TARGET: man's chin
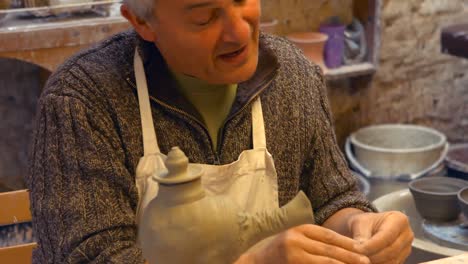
{"x":236,"y":78}
{"x":239,"y":75}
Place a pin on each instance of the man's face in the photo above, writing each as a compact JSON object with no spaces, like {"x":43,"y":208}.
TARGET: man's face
{"x":213,"y":40}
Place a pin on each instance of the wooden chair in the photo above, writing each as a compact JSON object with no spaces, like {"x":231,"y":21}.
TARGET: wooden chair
{"x":14,"y":209}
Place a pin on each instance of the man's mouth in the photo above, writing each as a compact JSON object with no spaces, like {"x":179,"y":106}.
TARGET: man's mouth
{"x":237,"y":57}
{"x":233,"y":54}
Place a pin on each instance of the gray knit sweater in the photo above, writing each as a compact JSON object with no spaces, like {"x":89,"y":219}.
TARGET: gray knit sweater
{"x":88,"y":141}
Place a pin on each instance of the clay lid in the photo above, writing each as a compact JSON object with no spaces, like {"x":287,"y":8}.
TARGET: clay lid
{"x":178,"y":169}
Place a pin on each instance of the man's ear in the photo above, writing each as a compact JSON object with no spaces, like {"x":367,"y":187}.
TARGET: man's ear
{"x":141,"y":27}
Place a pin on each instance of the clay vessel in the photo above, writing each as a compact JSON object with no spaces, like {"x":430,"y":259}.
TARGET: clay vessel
{"x":436,"y":197}
{"x":185,"y":225}
{"x":312,"y":44}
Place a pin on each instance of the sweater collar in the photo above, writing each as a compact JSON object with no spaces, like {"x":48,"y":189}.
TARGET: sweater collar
{"x":163,"y":87}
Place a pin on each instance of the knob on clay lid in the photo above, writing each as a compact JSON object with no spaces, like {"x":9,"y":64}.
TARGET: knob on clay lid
{"x":178,"y":169}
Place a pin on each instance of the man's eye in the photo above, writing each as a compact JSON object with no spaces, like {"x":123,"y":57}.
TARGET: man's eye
{"x":212,"y":17}
{"x":204,"y":23}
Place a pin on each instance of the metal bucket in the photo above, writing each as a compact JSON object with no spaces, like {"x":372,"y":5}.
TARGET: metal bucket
{"x":396,"y":151}
{"x":362,"y":182}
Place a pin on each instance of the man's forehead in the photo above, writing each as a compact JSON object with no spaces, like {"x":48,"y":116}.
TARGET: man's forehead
{"x":194,"y":4}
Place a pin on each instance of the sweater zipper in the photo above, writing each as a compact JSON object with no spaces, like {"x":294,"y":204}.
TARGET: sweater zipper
{"x":187,"y":115}
{"x":221,"y":135}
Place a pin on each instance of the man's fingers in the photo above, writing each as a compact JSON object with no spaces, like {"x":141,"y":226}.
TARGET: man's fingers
{"x":327,"y":236}
{"x":320,"y":241}
{"x":318,"y":248}
{"x":394,"y":253}
{"x":405,"y":254}
{"x":386,"y":234}
{"x":361,"y":231}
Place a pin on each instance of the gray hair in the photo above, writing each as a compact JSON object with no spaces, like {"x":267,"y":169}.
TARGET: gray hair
{"x":143,"y":9}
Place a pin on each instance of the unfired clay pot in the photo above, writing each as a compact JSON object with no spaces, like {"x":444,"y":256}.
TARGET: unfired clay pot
{"x":184,"y":225}
{"x":312,"y":44}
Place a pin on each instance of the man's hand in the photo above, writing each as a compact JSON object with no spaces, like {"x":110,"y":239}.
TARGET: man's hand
{"x":383,"y":237}
{"x":305,"y":244}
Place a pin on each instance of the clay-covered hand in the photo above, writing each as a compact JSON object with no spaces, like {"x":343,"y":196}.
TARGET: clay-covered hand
{"x":383,"y":237}
{"x":304,"y":244}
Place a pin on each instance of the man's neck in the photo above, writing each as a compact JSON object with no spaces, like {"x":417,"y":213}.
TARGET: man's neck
{"x":212,"y":101}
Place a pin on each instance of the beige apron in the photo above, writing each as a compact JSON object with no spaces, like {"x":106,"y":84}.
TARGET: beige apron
{"x":251,"y":181}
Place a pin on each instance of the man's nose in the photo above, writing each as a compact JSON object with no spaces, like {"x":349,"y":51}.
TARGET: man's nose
{"x":236,"y":28}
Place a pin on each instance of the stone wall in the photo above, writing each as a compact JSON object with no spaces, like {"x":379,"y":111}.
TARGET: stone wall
{"x":415,"y":82}
{"x":304,"y":15}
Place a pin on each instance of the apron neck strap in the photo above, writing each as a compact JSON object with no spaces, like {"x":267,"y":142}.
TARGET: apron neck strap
{"x":258,"y":125}
{"x":150,"y":142}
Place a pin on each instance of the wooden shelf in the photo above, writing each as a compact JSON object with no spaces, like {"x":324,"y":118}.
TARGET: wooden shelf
{"x":348,"y":71}
{"x":47,"y":42}
{"x":369,"y":13}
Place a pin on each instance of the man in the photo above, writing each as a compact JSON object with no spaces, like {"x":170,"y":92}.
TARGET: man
{"x":205,"y":66}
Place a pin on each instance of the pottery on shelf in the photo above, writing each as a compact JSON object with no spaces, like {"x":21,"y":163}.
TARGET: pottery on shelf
{"x":185,"y":225}
{"x":334,"y":48}
{"x":269,"y":26}
{"x":312,"y":44}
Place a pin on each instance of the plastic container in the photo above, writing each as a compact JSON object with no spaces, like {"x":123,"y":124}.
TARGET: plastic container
{"x":334,"y":48}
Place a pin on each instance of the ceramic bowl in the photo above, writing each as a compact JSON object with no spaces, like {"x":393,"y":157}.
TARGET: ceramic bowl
{"x":436,"y":197}
{"x":463,"y":201}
